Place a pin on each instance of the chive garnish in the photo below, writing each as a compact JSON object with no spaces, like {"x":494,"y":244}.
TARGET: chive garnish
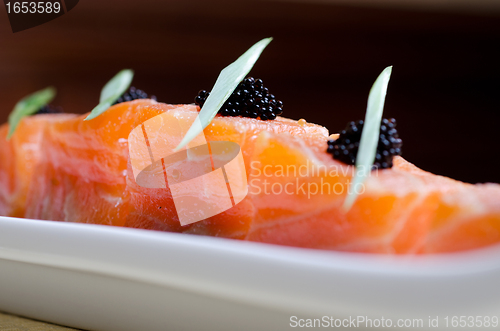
{"x":29,"y":105}
{"x":111,"y":92}
{"x":226,"y":83}
{"x":370,"y":135}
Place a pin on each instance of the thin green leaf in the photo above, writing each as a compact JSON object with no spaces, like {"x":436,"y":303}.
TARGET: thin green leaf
{"x":28,"y":106}
{"x":226,"y":83}
{"x":112,"y":91}
{"x":370,"y":136}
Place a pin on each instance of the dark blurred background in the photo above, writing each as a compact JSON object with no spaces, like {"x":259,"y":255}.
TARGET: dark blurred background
{"x":325,"y":56}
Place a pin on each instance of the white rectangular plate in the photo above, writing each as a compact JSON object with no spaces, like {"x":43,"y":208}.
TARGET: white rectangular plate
{"x":106,"y":278}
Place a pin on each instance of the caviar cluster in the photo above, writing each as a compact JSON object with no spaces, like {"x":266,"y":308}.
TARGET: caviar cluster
{"x":133,"y":94}
{"x":249,"y":99}
{"x":345,"y":148}
{"x":49,"y":109}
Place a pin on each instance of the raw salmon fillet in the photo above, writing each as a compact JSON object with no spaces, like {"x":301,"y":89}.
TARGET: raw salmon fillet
{"x":59,"y":167}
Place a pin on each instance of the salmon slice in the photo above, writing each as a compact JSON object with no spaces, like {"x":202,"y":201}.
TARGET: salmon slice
{"x":80,"y":172}
{"x":19,"y":159}
{"x":154,"y":208}
{"x":401,"y":210}
{"x":84,"y":175}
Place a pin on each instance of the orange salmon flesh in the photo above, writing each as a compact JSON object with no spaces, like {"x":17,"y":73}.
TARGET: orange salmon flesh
{"x":59,"y":167}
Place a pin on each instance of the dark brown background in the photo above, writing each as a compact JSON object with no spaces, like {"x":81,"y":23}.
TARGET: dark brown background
{"x":444,"y":89}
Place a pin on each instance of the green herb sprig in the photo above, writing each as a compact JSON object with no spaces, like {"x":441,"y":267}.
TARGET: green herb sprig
{"x":29,"y":105}
{"x":111,"y":92}
{"x":370,"y":135}
{"x":226,"y":83}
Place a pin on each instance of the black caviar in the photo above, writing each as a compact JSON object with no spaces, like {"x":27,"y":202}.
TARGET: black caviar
{"x":345,"y":148}
{"x":249,"y":99}
{"x":49,"y":109}
{"x":133,"y":94}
